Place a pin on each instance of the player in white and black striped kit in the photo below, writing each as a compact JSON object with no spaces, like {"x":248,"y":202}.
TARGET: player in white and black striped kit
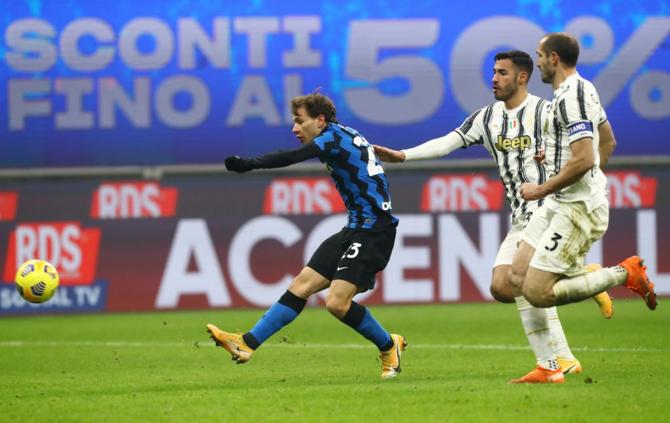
{"x":549,"y":263}
{"x":511,"y":130}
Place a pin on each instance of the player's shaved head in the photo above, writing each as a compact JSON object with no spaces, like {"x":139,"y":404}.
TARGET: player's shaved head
{"x":521,"y":60}
{"x":315,"y":104}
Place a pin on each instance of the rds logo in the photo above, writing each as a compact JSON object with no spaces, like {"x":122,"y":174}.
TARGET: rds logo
{"x":72,"y":249}
{"x":507,"y":144}
{"x":302,"y":196}
{"x":125,"y":200}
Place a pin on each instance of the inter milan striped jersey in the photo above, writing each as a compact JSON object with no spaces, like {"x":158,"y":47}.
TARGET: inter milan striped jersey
{"x":358,"y":175}
{"x":575,"y":113}
{"x":513,"y":138}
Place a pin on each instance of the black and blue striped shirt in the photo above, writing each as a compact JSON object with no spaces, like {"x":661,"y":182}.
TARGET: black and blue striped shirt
{"x":356,"y":171}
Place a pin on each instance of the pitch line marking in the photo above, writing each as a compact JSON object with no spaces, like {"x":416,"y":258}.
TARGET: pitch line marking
{"x":206,"y":343}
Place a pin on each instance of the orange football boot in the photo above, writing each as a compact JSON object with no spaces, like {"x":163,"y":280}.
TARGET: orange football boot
{"x":541,"y":375}
{"x":638,"y":281}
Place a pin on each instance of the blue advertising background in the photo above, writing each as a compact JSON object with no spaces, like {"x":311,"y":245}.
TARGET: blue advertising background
{"x":191,"y":82}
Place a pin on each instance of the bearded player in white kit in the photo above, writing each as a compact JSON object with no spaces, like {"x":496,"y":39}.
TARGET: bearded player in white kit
{"x":549,"y":264}
{"x":511,"y":130}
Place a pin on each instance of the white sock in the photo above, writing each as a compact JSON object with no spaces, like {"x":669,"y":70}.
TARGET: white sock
{"x":561,"y":347}
{"x":536,"y":325}
{"x":572,"y":290}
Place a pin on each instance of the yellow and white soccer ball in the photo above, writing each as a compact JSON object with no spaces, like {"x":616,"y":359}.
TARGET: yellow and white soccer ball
{"x":36,"y":281}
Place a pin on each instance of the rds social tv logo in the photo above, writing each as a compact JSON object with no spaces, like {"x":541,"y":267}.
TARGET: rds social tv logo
{"x":72,"y":249}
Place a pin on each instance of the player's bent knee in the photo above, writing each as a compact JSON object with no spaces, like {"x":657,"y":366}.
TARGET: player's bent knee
{"x":537,"y":296}
{"x":307,"y":283}
{"x":501,"y":288}
{"x":300,"y":287}
{"x":337,"y":307}
{"x":502,"y":292}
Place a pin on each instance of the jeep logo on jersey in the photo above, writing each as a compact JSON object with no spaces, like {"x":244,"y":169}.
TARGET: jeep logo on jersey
{"x":507,"y":144}
{"x":133,"y":200}
{"x":302,"y":196}
{"x":8,"y":201}
{"x":461,"y":193}
{"x":73,"y":250}
{"x":631,"y":190}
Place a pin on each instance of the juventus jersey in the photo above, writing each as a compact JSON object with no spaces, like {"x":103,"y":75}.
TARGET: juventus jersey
{"x":513,"y":138}
{"x":575,"y":113}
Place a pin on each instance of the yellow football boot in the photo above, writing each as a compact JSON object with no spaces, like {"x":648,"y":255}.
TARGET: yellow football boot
{"x":232,"y":342}
{"x":391,"y":358}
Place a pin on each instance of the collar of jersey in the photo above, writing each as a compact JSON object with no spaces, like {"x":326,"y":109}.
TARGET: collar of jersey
{"x":564,"y":85}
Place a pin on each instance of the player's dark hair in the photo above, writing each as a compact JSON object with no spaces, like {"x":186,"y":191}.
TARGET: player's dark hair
{"x":521,"y":60}
{"x":315,"y":104}
{"x":565,"y":45}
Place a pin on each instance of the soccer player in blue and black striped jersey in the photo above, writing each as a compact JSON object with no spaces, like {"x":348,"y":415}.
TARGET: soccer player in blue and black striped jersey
{"x":347,"y":261}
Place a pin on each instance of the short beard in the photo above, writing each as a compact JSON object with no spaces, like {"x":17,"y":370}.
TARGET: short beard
{"x":548,"y":78}
{"x":505,"y":96}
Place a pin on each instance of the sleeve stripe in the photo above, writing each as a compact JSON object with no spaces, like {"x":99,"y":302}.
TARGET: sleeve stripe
{"x":487,"y":119}
{"x":538,"y":138}
{"x":512,"y":192}
{"x":557,"y":152}
{"x":580,"y":99}
{"x":564,"y":112}
{"x":467,"y":125}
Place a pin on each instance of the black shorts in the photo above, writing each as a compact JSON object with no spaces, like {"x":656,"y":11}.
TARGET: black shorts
{"x":354,"y":255}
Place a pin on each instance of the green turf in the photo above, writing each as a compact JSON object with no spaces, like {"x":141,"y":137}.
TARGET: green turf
{"x":162,"y":367}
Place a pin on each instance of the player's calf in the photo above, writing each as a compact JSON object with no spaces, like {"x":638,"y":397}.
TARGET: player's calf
{"x":501,"y":287}
{"x":603,"y":299}
{"x":539,"y":294}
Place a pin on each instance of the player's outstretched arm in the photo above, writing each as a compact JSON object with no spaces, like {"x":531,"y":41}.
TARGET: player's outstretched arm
{"x":237,"y":164}
{"x":388,"y":154}
{"x":432,"y":149}
{"x":281,"y":158}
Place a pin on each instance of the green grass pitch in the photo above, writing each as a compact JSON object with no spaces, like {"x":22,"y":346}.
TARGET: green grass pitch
{"x":163,"y":367}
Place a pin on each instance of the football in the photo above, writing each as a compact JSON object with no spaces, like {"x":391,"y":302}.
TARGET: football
{"x":36,"y":281}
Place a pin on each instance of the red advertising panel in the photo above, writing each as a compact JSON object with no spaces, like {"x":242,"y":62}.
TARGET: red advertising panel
{"x":631,"y":190}
{"x":238,"y":241}
{"x":123,"y":200}
{"x":8,"y":201}
{"x":302,"y":196}
{"x":71,"y":248}
{"x":461,"y":193}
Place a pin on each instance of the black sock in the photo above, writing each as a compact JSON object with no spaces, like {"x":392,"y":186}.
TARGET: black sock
{"x":292,"y":301}
{"x":354,"y":315}
{"x":251,"y":341}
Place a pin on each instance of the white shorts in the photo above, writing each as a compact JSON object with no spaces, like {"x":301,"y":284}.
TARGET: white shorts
{"x":509,"y":246}
{"x":562,"y":235}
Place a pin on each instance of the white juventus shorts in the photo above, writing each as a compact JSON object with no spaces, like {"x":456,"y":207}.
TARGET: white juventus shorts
{"x":509,"y":246}
{"x":562,"y":234}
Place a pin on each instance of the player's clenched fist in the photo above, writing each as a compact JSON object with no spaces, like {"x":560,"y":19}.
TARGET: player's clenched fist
{"x":237,"y":164}
{"x":531,"y":191}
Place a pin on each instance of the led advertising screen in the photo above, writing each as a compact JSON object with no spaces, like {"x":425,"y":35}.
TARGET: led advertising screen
{"x":154,"y":83}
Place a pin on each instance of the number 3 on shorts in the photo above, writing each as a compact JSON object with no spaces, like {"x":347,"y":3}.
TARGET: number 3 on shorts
{"x":555,"y":239}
